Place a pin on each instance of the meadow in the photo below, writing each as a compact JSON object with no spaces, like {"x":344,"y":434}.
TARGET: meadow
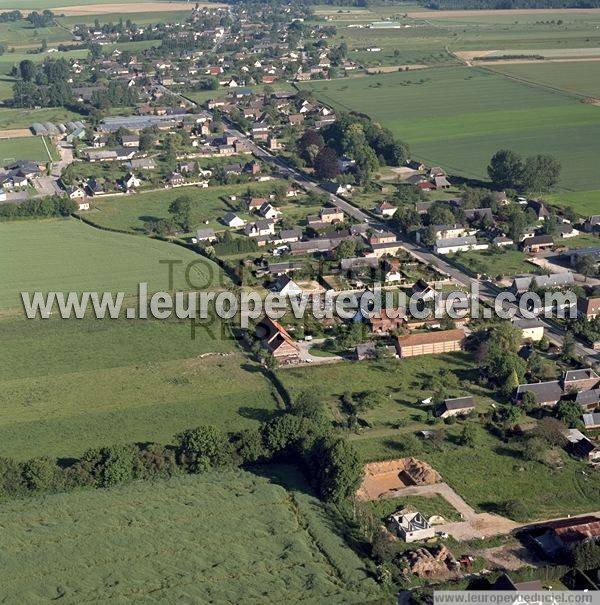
{"x":68,"y":255}
{"x":503,"y":262}
{"x":221,"y":537}
{"x":23,"y":118}
{"x":71,"y":384}
{"x":24,"y":148}
{"x":211,"y":204}
{"x":68,"y":385}
{"x":458,"y":117}
{"x":586,"y":203}
{"x":402,"y":384}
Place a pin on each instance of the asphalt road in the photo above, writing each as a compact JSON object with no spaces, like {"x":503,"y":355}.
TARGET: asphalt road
{"x":487,"y":290}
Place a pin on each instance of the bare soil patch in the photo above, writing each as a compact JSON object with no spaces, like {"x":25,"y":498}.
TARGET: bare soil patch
{"x":381,"y":478}
{"x":15,"y":133}
{"x":142,"y":7}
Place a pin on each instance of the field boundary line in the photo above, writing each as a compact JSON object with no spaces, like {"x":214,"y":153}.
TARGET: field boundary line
{"x":566,"y":93}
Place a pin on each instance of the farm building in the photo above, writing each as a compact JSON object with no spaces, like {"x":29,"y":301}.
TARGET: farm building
{"x":458,"y":406}
{"x":277,"y":341}
{"x":429,"y":343}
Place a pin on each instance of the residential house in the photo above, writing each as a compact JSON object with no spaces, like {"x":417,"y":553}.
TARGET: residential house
{"x":427,"y":343}
{"x":76,"y":193}
{"x":537,"y":243}
{"x":233,"y":220}
{"x":580,"y":380}
{"x":540,"y":211}
{"x":130,"y":140}
{"x":458,"y":244}
{"x":175,"y":179}
{"x":269,"y":212}
{"x":588,"y":401}
{"x":546,"y":394}
{"x":260,"y":228}
{"x":531,"y":329}
{"x":331,"y":215}
{"x":130,"y":181}
{"x":277,"y":341}
{"x":387,"y":320}
{"x":591,"y":421}
{"x":385,"y":209}
{"x":588,"y":307}
{"x":284,"y":285}
{"x":206,"y":235}
{"x":458,"y":406}
{"x":381,"y":249}
{"x":411,"y":526}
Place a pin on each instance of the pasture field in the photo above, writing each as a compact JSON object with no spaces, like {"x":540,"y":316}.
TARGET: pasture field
{"x":221,"y":537}
{"x":68,"y":385}
{"x":25,"y":148}
{"x":458,"y":117}
{"x":68,"y":255}
{"x":211,"y":204}
{"x":493,"y":472}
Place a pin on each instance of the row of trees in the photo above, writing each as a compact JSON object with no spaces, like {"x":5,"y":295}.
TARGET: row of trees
{"x":38,"y":208}
{"x":536,"y":173}
{"x":301,"y":437}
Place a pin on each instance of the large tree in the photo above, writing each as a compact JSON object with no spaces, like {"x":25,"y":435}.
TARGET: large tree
{"x":326,"y":164}
{"x":506,"y":169}
{"x":540,"y":173}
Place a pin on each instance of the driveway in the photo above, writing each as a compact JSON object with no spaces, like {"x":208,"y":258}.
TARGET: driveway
{"x":306,"y":357}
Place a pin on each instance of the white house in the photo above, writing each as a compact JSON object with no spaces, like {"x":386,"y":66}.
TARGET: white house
{"x":76,"y":193}
{"x":269,"y":211}
{"x":131,"y":181}
{"x":285,"y":286}
{"x":458,"y":244}
{"x":411,"y":527}
{"x":233,"y":220}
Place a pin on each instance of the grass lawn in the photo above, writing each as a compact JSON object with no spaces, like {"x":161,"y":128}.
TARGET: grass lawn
{"x":203,"y":96}
{"x":211,"y":204}
{"x":458,"y":117}
{"x":492,"y":473}
{"x":428,"y":506}
{"x":221,"y":537}
{"x":584,"y":240}
{"x":67,"y":385}
{"x":25,"y":148}
{"x":68,"y":255}
{"x":403,"y":383}
{"x":505,"y":262}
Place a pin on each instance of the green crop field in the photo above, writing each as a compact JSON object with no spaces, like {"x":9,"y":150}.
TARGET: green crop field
{"x":582,"y":78}
{"x":25,"y":148}
{"x":70,"y":384}
{"x":221,"y":537}
{"x":458,"y":117}
{"x":67,"y":255}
